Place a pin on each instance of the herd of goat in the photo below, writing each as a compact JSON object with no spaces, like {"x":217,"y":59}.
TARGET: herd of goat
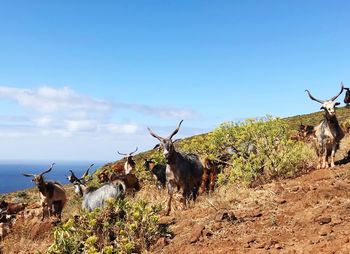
{"x":186,"y":172}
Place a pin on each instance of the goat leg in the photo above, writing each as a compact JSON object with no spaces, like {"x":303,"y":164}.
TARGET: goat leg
{"x":205,"y":178}
{"x":170,"y":193}
{"x":334,"y":147}
{"x":212,"y":180}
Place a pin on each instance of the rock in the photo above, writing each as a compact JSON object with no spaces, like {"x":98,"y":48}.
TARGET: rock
{"x":167,"y":220}
{"x":260,"y":245}
{"x":197,"y":232}
{"x":40,"y":229}
{"x":336,"y":219}
{"x":295,"y":188}
{"x":324,"y":220}
{"x":161,"y":243}
{"x":325,"y":230}
{"x":250,"y":239}
{"x":280,"y":200}
{"x":216,"y":226}
{"x":256,"y":213}
{"x":225,"y":215}
{"x":278,"y":246}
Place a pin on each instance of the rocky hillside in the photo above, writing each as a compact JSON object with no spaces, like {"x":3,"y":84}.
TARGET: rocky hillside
{"x":306,"y":213}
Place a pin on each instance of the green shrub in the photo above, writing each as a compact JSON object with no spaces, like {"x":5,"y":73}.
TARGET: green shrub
{"x":276,"y":154}
{"x":121,"y":227}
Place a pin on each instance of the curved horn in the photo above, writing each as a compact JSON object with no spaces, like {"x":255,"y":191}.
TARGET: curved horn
{"x":28,"y":175}
{"x":313,"y":98}
{"x":156,"y":146}
{"x":124,"y":154}
{"x":74,"y":177}
{"x":341,"y":90}
{"x":134,"y":151}
{"x":87,"y":172}
{"x":155,"y":135}
{"x":175,"y":131}
{"x":47,"y":171}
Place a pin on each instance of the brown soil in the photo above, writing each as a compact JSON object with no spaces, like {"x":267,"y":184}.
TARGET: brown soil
{"x":308,"y":214}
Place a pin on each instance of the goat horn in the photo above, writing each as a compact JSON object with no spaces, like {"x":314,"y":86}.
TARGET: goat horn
{"x":28,"y":175}
{"x":47,"y":171}
{"x":176,"y":131}
{"x":87,"y":171}
{"x":156,"y":146}
{"x":155,"y":135}
{"x":134,"y":151}
{"x":313,"y":98}
{"x":341,"y":90}
{"x":124,"y":154}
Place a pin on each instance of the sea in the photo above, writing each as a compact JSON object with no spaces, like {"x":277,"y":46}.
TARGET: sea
{"x":11,"y":178}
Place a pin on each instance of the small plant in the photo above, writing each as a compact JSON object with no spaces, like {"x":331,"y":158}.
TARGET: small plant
{"x":21,"y":194}
{"x":121,"y":227}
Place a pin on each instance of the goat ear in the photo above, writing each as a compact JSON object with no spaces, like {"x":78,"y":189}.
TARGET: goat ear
{"x":322,"y":107}
{"x":337,"y":104}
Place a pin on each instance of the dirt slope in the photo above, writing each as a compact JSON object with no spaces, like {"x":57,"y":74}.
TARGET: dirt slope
{"x":308,"y":214}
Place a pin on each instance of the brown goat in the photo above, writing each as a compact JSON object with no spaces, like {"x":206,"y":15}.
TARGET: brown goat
{"x":12,"y":208}
{"x":52,"y":194}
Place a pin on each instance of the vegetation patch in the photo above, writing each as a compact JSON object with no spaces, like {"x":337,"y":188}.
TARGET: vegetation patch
{"x":121,"y":227}
{"x":255,"y":149}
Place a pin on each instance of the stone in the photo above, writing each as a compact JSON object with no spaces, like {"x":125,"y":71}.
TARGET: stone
{"x":197,"y":232}
{"x":324,"y":220}
{"x":295,"y":188}
{"x":225,"y":215}
{"x":280,"y":200}
{"x":325,"y":230}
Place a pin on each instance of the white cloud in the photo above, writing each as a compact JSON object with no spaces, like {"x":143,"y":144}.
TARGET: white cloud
{"x":81,"y":125}
{"x":63,"y":112}
{"x":47,"y":99}
{"x":121,"y":128}
{"x":43,"y":121}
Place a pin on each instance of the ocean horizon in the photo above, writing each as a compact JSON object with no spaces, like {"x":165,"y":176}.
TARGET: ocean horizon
{"x":11,"y":178}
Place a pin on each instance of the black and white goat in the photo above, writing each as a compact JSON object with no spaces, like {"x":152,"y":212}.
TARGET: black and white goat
{"x":328,"y":133}
{"x":52,"y":194}
{"x":182,"y":170}
{"x":78,"y":182}
{"x":129,"y":166}
{"x":96,"y":197}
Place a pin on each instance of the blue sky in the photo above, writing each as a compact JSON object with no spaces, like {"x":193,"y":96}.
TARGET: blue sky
{"x":82,"y":79}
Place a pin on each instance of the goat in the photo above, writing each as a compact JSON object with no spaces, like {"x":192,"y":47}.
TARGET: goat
{"x":347,"y":96}
{"x":158,"y":172}
{"x":131,"y":182}
{"x":96,"y":197}
{"x":52,"y":194}
{"x":129,"y":166}
{"x":210,"y":172}
{"x":103,"y":177}
{"x":12,"y":208}
{"x":77,"y":182}
{"x":328,"y":132}
{"x":305,"y":133}
{"x":182,"y":170}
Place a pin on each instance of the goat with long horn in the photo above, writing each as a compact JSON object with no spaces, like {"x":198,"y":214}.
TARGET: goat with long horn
{"x":328,"y":132}
{"x":129,"y":166}
{"x":92,"y":197}
{"x":78,"y":182}
{"x":52,"y":194}
{"x":182,"y":170}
